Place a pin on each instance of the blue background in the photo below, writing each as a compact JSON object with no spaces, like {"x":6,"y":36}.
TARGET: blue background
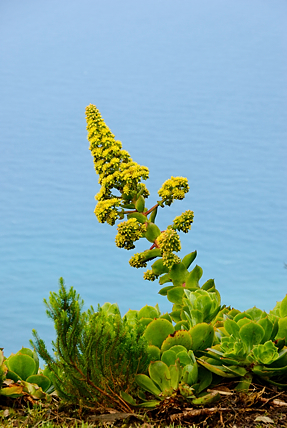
{"x":196,"y":89}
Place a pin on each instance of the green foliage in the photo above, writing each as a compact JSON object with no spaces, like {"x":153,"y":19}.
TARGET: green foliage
{"x":251,"y":344}
{"x":96,"y":354}
{"x":22,"y":365}
{"x":23,"y":376}
{"x":3,"y":368}
{"x":176,"y":373}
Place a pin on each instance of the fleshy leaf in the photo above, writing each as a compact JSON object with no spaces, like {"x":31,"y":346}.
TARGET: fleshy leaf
{"x":169,"y":357}
{"x":283,"y":307}
{"x":255,"y":313}
{"x":175,"y":375}
{"x":154,"y":352}
{"x":179,"y":337}
{"x":157,"y":331}
{"x":177,"y":348}
{"x":23,"y":365}
{"x":219,"y":370}
{"x":148,"y":312}
{"x":13,"y":376}
{"x":128,"y":398}
{"x":210,"y":398}
{"x":266,"y":353}
{"x":145,"y":322}
{"x":244,"y":383}
{"x":160,"y":374}
{"x":163,"y":291}
{"x":242,"y":315}
{"x":152,"y":232}
{"x":192,"y":279}
{"x":251,"y":334}
{"x":12,"y":391}
{"x":131,"y":316}
{"x":205,"y":379}
{"x":178,"y":274}
{"x":189,"y":258}
{"x":282,"y":329}
{"x":40,"y":380}
{"x":141,"y":218}
{"x":181,"y":325}
{"x":159,"y":268}
{"x":163,"y":280}
{"x":147,"y":384}
{"x":209,"y":285}
{"x":176,"y":316}
{"x":231,"y":327}
{"x":175,"y":295}
{"x":268,"y":327}
{"x":202,"y":336}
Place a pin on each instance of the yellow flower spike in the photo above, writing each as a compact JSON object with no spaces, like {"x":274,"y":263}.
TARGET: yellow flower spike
{"x":118,"y":172}
{"x":115,"y":167}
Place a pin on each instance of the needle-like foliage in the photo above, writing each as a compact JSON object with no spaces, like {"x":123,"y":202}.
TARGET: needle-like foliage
{"x":96,"y":354}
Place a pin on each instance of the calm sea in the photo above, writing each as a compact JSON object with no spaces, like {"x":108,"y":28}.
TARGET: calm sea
{"x":196,"y":89}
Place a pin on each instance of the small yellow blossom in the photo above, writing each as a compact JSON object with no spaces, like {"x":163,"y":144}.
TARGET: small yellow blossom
{"x":173,"y":188}
{"x":169,"y":243}
{"x":150,"y":276}
{"x":106,"y":211}
{"x":183,"y":221}
{"x":170,"y":259}
{"x":169,"y":240}
{"x":129,"y":232}
{"x":138,"y":260}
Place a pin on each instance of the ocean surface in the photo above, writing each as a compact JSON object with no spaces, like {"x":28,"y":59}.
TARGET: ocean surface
{"x":195,"y":89}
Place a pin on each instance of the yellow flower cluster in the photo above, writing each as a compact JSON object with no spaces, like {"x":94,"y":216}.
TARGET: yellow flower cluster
{"x":150,"y":276}
{"x":170,"y":259}
{"x":183,"y":221}
{"x":129,"y":232}
{"x":115,"y":167}
{"x":138,"y":260}
{"x":173,"y":188}
{"x":107,"y":211}
{"x":169,"y":242}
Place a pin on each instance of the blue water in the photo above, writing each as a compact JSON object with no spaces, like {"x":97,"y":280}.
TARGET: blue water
{"x":196,"y":89}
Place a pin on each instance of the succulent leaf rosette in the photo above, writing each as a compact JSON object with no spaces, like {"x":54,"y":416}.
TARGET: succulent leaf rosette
{"x":24,"y":377}
{"x":251,"y":343}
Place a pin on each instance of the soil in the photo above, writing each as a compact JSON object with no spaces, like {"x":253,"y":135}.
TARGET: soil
{"x":260,"y":407}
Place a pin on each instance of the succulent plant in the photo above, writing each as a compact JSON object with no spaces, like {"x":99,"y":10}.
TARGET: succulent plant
{"x":23,"y":376}
{"x":176,"y":373}
{"x":250,"y":343}
{"x":3,"y":368}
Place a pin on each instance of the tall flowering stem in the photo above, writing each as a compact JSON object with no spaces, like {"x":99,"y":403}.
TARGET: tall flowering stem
{"x":122,"y":194}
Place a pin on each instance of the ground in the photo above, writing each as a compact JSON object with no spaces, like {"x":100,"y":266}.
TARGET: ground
{"x":261,"y":407}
